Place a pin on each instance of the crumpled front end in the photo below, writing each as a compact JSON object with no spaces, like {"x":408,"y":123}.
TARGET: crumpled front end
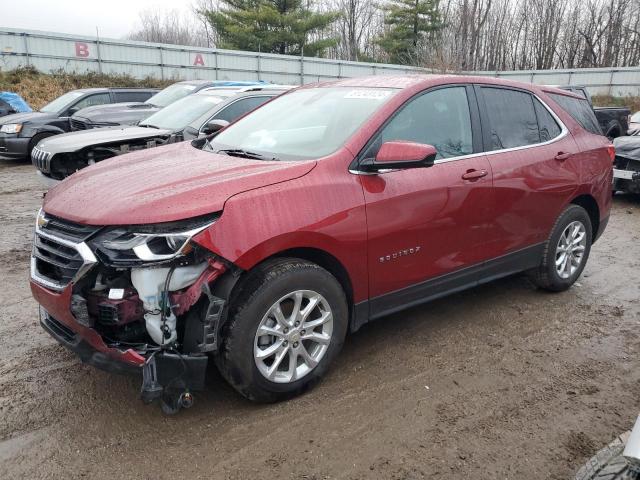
{"x":131,"y":299}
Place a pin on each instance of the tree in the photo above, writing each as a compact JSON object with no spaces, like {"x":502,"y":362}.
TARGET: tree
{"x":273,"y":26}
{"x":407,"y":22}
{"x":168,"y":26}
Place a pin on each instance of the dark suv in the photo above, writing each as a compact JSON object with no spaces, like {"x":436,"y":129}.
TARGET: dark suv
{"x":20,"y":132}
{"x":132,"y":112}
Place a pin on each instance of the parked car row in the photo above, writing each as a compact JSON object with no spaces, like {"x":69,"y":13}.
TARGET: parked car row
{"x":257,"y":246}
{"x":199,"y":114}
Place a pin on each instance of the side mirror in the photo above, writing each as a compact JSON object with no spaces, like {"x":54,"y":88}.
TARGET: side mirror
{"x":214,"y":126}
{"x":72,"y":111}
{"x":399,"y":154}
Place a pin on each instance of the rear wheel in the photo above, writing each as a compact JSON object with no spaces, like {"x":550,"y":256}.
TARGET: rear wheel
{"x":285,"y":327}
{"x":566,"y":251}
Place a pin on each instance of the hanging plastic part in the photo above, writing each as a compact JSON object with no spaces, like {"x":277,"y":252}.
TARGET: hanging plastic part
{"x":151,"y":390}
{"x":211,"y":321}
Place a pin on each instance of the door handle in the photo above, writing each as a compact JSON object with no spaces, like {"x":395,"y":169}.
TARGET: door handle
{"x":474,"y":174}
{"x":562,"y":156}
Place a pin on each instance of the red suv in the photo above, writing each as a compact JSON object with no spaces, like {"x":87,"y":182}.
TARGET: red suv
{"x":326,"y":208}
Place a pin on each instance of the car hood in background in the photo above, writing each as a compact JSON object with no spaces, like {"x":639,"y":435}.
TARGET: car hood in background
{"x":74,"y":141}
{"x":162,"y":184}
{"x":118,"y":113}
{"x":628,"y":147}
{"x":27,"y":117}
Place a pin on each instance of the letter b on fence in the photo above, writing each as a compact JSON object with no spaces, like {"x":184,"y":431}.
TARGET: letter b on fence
{"x":82,"y":49}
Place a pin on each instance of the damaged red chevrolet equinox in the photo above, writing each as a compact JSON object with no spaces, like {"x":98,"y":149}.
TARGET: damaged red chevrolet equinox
{"x":328,"y":207}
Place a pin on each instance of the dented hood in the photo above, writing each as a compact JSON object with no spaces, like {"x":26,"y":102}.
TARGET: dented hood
{"x":161,"y":185}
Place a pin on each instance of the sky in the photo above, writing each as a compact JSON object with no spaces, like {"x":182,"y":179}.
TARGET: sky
{"x":114,"y":18}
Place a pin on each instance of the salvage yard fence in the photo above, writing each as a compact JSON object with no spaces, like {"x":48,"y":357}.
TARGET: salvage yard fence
{"x":47,"y":52}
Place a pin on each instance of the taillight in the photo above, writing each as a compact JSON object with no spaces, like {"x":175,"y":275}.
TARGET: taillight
{"x":611,"y":150}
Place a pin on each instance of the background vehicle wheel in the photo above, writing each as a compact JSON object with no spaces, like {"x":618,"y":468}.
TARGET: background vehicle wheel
{"x":566,"y":251}
{"x":608,"y":463}
{"x":286,"y":325}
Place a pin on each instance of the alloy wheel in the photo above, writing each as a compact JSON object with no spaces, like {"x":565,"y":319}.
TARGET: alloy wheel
{"x":570,"y":249}
{"x":293,"y":336}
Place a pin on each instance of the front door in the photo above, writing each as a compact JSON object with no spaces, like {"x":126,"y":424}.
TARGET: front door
{"x":425,"y":223}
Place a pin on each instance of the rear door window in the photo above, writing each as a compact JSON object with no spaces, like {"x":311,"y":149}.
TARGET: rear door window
{"x":240,"y":107}
{"x":440,"y":118}
{"x":132,"y":96}
{"x":91,"y":100}
{"x":547,"y":125}
{"x":580,"y":110}
{"x":512,"y":118}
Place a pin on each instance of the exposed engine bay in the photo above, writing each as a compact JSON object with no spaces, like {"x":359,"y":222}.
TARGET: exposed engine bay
{"x":146,"y":289}
{"x":60,"y":165}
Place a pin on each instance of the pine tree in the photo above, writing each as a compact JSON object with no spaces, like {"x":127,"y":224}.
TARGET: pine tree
{"x":272,"y":26}
{"x":407,"y":23}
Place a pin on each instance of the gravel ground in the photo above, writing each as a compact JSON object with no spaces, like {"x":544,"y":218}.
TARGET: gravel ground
{"x":502,"y":381}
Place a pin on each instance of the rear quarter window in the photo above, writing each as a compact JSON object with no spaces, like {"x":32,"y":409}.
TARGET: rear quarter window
{"x":580,"y":111}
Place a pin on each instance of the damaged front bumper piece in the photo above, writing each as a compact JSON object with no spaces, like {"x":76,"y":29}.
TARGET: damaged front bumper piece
{"x":140,"y":310}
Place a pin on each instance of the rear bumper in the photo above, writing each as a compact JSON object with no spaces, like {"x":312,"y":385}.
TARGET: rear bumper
{"x":14,"y":147}
{"x":626,"y":175}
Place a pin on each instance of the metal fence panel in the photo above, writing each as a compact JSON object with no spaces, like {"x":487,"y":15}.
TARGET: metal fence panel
{"x":73,"y":53}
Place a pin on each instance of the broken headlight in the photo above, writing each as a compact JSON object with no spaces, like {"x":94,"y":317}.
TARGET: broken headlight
{"x":133,"y":245}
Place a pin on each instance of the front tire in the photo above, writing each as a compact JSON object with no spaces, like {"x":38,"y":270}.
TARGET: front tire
{"x":566,"y":251}
{"x":286,"y":324}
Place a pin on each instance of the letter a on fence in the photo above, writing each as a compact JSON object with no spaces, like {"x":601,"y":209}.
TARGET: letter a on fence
{"x":198,"y":60}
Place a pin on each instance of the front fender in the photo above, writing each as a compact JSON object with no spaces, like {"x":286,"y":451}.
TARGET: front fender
{"x":323,"y":210}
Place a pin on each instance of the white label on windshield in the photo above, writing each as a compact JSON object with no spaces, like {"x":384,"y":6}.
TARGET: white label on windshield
{"x":369,"y":94}
{"x":189,"y":87}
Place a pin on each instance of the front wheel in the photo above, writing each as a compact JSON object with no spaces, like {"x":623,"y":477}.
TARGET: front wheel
{"x":566,"y":251}
{"x":286,"y":325}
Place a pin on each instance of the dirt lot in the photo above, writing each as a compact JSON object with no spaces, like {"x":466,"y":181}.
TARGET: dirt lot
{"x":502,"y":381}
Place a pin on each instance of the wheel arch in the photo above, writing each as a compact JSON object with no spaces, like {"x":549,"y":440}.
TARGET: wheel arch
{"x":232,"y":282}
{"x":588,"y":202}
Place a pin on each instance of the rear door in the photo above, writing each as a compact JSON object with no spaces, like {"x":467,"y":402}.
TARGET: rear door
{"x":425,"y":223}
{"x":535,"y":169}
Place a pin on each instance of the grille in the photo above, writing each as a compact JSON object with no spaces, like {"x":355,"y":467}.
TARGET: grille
{"x":78,"y":124}
{"x":57,"y":247}
{"x":41,"y":160}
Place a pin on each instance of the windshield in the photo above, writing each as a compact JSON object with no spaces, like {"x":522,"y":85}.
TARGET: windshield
{"x":61,"y":103}
{"x":635,"y":118}
{"x":183,"y":112}
{"x":171,"y":94}
{"x":304,"y":124}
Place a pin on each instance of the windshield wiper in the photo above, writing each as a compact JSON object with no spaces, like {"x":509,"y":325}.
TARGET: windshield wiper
{"x":238,"y":152}
{"x":148,"y":125}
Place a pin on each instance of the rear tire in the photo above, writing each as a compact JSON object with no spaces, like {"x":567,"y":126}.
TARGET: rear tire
{"x":284,"y":297}
{"x":565,"y":252}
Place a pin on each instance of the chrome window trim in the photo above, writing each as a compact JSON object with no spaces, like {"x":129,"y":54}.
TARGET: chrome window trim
{"x":88,"y":260}
{"x":564,"y":131}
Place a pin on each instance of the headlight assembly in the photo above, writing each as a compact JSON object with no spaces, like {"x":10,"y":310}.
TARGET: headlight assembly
{"x":11,"y":128}
{"x":122,"y":246}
